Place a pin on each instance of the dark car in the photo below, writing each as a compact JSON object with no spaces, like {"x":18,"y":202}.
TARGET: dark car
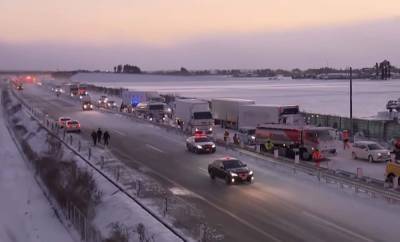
{"x":231,"y":170}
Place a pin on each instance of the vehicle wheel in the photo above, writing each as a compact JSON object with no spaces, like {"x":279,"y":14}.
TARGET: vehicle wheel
{"x":249,"y":180}
{"x":188,"y":147}
{"x":228,"y":180}
{"x":354,"y":156}
{"x":390,"y":178}
{"x":212,"y":175}
{"x":370,"y":159}
{"x":306,"y":156}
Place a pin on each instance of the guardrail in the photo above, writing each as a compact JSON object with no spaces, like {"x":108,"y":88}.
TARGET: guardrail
{"x":344,"y":179}
{"x":43,"y":122}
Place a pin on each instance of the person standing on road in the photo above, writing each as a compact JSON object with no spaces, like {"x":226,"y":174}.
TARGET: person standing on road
{"x":317,"y":157}
{"x":269,"y":147}
{"x":226,"y":136}
{"x":345,"y":137}
{"x":106,"y":138}
{"x":99,"y":135}
{"x":94,"y":137}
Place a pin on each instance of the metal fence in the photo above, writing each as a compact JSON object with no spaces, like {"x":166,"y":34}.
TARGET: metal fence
{"x":83,"y":149}
{"x":375,"y":129}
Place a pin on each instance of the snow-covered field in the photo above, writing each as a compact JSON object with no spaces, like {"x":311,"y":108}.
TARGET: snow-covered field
{"x":320,"y":96}
{"x":25,"y":213}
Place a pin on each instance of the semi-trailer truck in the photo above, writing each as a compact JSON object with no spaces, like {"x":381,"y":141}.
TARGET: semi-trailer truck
{"x":193,"y":115}
{"x":292,"y":138}
{"x":225,"y":111}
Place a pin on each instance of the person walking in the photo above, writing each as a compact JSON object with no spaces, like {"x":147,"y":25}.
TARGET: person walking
{"x":94,"y":137}
{"x":99,"y":135}
{"x":106,"y":138}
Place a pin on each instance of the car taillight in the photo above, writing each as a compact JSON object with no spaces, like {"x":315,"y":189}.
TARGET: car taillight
{"x":79,"y":125}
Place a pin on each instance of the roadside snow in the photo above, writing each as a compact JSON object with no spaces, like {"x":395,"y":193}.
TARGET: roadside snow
{"x":25,"y":213}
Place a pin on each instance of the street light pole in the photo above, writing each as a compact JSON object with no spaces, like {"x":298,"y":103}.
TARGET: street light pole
{"x":351,"y":103}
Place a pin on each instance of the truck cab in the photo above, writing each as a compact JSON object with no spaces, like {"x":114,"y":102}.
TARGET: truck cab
{"x":193,"y":115}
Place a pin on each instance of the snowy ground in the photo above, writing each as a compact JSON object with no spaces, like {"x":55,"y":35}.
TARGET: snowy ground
{"x":320,"y":96}
{"x":25,"y":213}
{"x":305,"y":200}
{"x":115,"y":207}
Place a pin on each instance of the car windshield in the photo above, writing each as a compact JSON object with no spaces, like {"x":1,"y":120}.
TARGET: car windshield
{"x":323,"y":135}
{"x":202,"y":115}
{"x":202,"y":139}
{"x":231,"y":164}
{"x":375,"y":147}
{"x":65,"y":119}
{"x":251,"y":131}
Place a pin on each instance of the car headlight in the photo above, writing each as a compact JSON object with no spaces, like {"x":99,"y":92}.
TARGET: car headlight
{"x":199,"y":147}
{"x":210,"y":129}
{"x":91,"y":106}
{"x":80,"y":97}
{"x":233,"y":174}
{"x":99,"y":101}
{"x":213,"y":145}
{"x":379,"y":154}
{"x":251,"y":173}
{"x":388,"y":153}
{"x":84,"y":106}
{"x":253,"y":137}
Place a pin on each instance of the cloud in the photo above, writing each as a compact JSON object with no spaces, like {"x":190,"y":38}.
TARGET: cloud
{"x":340,"y":46}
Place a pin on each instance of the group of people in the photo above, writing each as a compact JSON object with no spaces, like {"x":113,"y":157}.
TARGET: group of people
{"x":98,"y":135}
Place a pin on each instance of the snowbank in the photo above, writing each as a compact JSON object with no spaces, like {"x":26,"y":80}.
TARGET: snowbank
{"x":26,"y":214}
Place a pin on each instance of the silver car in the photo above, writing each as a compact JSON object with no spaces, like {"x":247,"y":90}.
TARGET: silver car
{"x":370,"y":151}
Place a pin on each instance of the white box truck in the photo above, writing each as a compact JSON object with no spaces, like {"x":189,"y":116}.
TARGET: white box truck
{"x":193,"y":115}
{"x":226,"y":110}
{"x":257,"y":114}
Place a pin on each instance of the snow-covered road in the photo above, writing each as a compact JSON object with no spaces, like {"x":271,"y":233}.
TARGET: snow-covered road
{"x":278,"y":204}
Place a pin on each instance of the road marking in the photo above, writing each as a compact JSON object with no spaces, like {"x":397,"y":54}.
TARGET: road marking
{"x":338,"y":227}
{"x":202,"y":170}
{"x":118,"y":132}
{"x":221,"y":209}
{"x":154,"y":148}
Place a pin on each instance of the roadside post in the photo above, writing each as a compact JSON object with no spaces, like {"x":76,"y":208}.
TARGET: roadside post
{"x":258,"y":148}
{"x":276,"y":153}
{"x":359,"y":172}
{"x":296,"y":156}
{"x":395,"y":182}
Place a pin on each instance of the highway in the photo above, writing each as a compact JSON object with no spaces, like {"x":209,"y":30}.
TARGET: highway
{"x":276,"y":207}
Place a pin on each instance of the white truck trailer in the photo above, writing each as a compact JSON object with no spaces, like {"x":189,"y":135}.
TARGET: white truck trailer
{"x":194,"y":115}
{"x":226,"y":111}
{"x":255,"y":114}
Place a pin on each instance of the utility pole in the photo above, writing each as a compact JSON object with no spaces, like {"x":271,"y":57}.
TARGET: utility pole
{"x":351,"y":104}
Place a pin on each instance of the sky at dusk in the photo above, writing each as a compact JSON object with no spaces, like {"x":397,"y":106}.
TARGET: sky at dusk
{"x":155,"y":34}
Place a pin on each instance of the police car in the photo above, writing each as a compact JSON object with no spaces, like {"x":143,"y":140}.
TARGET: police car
{"x":200,"y":144}
{"x":62,"y":121}
{"x":72,"y":126}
